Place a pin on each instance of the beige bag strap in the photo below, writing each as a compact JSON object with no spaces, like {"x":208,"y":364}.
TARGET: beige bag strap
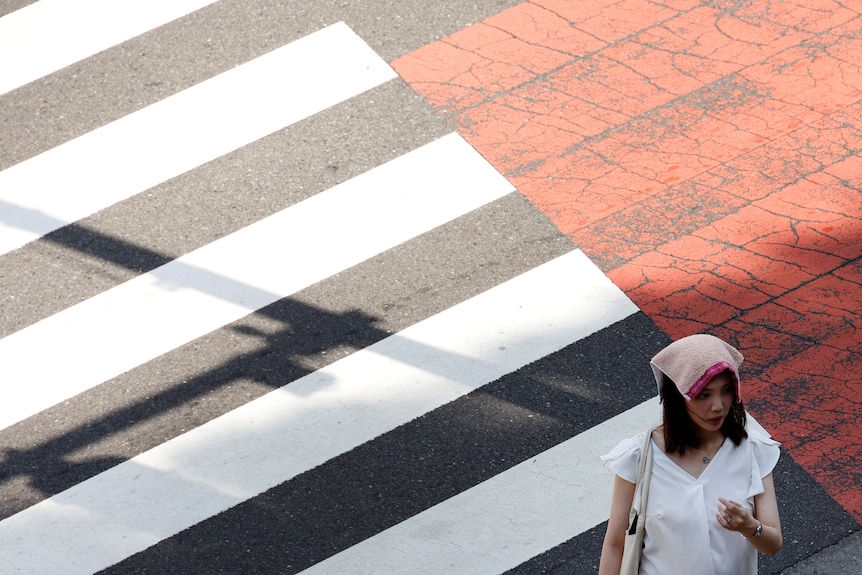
{"x":644,"y":475}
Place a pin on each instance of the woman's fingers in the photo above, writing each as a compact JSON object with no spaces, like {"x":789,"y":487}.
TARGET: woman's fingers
{"x":731,"y":515}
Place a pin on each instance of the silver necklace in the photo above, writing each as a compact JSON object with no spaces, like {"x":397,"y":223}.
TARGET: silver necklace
{"x":706,"y":459}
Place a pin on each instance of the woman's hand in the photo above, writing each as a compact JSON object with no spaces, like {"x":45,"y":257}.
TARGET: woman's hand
{"x":734,"y":517}
{"x":743,"y":521}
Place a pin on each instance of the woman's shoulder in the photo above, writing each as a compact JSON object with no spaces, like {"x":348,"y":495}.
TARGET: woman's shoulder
{"x":623,"y":458}
{"x":629,"y":445}
{"x":757,"y":435}
{"x":764,"y":450}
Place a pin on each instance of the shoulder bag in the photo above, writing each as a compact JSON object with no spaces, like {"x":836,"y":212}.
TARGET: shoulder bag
{"x":637,"y":516}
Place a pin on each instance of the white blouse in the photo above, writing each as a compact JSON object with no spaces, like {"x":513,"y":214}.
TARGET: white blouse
{"x":682,"y":534}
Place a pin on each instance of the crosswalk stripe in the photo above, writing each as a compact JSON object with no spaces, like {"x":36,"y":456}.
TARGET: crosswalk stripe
{"x":520,"y":513}
{"x":229,"y":459}
{"x":48,"y":35}
{"x":181,"y":132}
{"x":147,"y":316}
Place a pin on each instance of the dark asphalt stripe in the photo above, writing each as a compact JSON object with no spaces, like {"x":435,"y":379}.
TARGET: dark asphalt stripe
{"x":419,"y":464}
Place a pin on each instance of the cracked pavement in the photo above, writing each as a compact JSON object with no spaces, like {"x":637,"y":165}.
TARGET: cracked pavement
{"x":706,"y":156}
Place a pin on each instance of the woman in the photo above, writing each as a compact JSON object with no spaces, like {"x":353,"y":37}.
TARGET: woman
{"x":711,"y":505}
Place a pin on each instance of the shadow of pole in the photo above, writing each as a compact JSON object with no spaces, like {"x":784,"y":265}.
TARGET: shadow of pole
{"x":46,"y":467}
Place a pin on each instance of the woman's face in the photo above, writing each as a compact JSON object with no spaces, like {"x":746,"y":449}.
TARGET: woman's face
{"x":709,"y":408}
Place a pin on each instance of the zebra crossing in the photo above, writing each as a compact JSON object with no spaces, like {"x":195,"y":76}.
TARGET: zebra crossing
{"x":206,"y":121}
{"x":228,"y":460}
{"x":403,"y":368}
{"x":218,"y":283}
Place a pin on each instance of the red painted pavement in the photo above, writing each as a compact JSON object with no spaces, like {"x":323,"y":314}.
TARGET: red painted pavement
{"x":706,"y":156}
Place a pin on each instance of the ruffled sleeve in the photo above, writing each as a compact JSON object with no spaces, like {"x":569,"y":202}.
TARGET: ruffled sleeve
{"x":623,"y":459}
{"x":764,"y":456}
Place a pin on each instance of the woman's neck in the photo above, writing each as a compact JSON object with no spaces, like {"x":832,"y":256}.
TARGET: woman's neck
{"x":710,"y":438}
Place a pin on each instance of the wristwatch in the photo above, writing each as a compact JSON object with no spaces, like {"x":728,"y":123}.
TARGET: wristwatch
{"x":757,"y":531}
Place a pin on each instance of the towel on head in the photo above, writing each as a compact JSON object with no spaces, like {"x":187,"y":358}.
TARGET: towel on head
{"x":691,"y":362}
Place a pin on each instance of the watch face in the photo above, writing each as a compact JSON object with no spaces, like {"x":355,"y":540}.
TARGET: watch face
{"x":757,"y":532}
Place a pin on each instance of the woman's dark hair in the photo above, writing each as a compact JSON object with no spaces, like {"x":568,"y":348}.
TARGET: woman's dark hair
{"x":680,"y":432}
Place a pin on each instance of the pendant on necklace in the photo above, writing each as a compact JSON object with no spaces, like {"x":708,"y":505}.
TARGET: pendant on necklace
{"x":706,"y":459}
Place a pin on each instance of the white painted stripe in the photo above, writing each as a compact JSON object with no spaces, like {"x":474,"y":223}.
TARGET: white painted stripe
{"x":179,"y":133}
{"x":509,"y":519}
{"x":230,"y":459}
{"x":109,"y":334}
{"x":51,"y":34}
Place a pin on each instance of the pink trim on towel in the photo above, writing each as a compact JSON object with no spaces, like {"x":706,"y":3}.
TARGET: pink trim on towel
{"x":709,"y":374}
